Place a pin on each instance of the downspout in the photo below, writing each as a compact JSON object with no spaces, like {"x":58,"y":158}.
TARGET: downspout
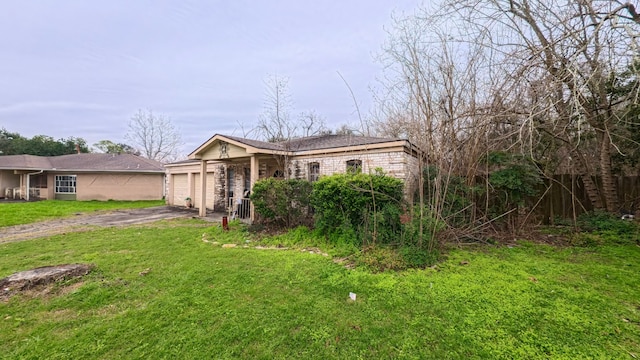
{"x":28,"y":182}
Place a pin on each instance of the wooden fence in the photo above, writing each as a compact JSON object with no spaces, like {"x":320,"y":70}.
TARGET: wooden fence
{"x":565,"y":196}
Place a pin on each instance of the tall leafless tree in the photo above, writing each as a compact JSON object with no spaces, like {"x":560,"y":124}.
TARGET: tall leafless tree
{"x":155,"y":136}
{"x":539,"y":81}
{"x":276,"y":124}
{"x":311,"y":123}
{"x":569,"y":54}
{"x":431,"y":88}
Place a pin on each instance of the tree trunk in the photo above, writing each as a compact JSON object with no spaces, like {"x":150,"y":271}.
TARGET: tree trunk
{"x":608,"y":180}
{"x":589,"y":185}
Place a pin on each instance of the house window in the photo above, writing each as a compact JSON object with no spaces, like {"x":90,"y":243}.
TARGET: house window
{"x":231,"y":181}
{"x":247,"y":181}
{"x":278,"y":174}
{"x":65,"y":184}
{"x":314,"y":171}
{"x":354,"y":166}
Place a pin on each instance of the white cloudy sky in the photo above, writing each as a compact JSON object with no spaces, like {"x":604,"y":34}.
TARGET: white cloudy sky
{"x":83,"y":68}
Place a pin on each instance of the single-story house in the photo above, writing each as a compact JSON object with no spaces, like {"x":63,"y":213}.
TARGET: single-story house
{"x":231,"y":165}
{"x":81,"y":177}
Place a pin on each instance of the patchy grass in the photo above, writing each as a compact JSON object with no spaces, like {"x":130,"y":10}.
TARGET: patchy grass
{"x":29,"y":212}
{"x":199,"y":300}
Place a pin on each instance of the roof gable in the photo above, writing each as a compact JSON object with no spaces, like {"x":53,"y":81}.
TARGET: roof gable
{"x":225,"y":147}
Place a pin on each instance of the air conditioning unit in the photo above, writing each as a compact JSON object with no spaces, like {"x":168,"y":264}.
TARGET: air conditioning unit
{"x":8,"y":193}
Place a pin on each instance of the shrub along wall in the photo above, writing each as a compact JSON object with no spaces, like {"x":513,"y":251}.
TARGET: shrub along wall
{"x":363,"y":207}
{"x":282,"y":202}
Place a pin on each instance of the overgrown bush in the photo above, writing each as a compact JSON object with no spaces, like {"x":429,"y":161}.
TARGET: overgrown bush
{"x":420,"y":232}
{"x":448,"y":196}
{"x":282,"y":202}
{"x":599,"y":227}
{"x":389,"y":258}
{"x":381,"y":258}
{"x":512,"y":178}
{"x":365,"y":205}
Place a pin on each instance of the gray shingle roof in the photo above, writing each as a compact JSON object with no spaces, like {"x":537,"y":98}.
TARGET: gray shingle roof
{"x":314,"y":142}
{"x":81,"y":162}
{"x":332,"y":141}
{"x":24,"y":162}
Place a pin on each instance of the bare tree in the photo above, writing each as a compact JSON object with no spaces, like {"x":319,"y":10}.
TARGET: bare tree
{"x":155,"y":135}
{"x":536,"y":77}
{"x":311,"y":123}
{"x":431,"y":90}
{"x":561,"y":60}
{"x":275,"y":123}
{"x":345,"y":129}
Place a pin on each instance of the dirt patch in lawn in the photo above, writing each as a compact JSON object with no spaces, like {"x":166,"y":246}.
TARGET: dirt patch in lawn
{"x":84,"y":222}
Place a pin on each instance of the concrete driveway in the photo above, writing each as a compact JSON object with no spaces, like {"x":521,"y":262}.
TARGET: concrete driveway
{"x":83,"y":222}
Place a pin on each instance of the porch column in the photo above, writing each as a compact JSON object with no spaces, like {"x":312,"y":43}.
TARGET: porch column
{"x":254,"y":178}
{"x":191,"y":186}
{"x":170,"y":181}
{"x":28,"y":184}
{"x":21,"y":188}
{"x":203,"y":188}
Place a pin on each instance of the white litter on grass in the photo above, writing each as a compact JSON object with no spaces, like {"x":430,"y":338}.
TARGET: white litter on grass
{"x":352,"y":296}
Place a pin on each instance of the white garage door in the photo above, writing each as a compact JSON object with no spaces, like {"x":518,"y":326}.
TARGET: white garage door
{"x":180,"y":189}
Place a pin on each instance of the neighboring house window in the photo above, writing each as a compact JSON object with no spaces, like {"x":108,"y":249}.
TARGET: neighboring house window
{"x":314,"y":171}
{"x":354,"y":166}
{"x":38,"y":181}
{"x":65,"y":184}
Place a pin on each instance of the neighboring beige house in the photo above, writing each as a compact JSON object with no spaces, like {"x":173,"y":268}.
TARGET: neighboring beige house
{"x":232,"y":165}
{"x":81,"y":177}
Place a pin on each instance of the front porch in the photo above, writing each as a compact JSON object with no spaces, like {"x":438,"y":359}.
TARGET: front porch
{"x":220,"y":175}
{"x":23,"y":185}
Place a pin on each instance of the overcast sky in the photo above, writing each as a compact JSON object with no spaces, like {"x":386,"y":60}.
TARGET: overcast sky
{"x":83,"y":68}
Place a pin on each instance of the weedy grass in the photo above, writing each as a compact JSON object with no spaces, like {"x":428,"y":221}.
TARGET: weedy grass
{"x":29,"y":212}
{"x":199,"y":300}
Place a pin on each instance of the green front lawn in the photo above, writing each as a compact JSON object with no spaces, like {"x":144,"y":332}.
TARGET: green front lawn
{"x":29,"y":212}
{"x":199,"y":300}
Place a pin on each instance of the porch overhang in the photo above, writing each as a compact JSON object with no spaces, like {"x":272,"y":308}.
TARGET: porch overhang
{"x":223,"y":148}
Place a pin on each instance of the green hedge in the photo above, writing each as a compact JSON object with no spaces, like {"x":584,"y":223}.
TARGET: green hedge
{"x":282,"y":202}
{"x":366,"y":206}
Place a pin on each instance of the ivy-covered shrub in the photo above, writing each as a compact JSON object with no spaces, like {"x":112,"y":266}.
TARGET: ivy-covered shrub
{"x":282,"y":202}
{"x":512,"y":178}
{"x":365,"y":205}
